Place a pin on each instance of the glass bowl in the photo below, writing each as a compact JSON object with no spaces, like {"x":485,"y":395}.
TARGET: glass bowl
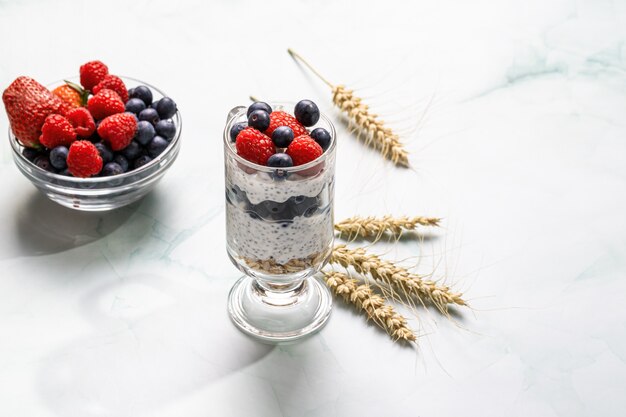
{"x":100,"y":193}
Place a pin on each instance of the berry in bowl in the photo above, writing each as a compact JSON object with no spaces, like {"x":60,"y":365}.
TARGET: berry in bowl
{"x":94,"y":142}
{"x":280,"y":170}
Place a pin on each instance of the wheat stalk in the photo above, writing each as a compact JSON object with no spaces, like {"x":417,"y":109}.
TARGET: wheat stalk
{"x":368,"y":125}
{"x":364,"y":298}
{"x":377,"y":226}
{"x":396,"y":277}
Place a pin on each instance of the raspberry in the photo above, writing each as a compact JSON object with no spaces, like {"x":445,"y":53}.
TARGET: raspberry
{"x":83,"y":123}
{"x":68,"y":95}
{"x":304,"y":149}
{"x":56,"y":131}
{"x":118,"y":130}
{"x":92,"y":73}
{"x":83,"y":159}
{"x":115,"y":83}
{"x":280,"y":118}
{"x":105,"y":103}
{"x":254,"y":146}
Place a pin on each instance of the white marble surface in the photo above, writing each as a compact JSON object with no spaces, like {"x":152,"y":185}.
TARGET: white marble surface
{"x":522,"y":150}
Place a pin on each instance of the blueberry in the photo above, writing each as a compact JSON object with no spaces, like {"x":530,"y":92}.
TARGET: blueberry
{"x":30,"y":154}
{"x":235,"y":129}
{"x":142,"y":92}
{"x":112,"y":168}
{"x":155,"y":104}
{"x":43,"y":162}
{"x":105,"y":152}
{"x":322,"y":137}
{"x":135,"y":105}
{"x":259,"y":119}
{"x":132,"y":151}
{"x":145,"y":132}
{"x":282,"y":136}
{"x":65,"y":172}
{"x":258,"y":105}
{"x":142,"y":160}
{"x":156,"y":146}
{"x":280,"y":160}
{"x":307,"y":113}
{"x":304,"y":206}
{"x":131,"y":92}
{"x":58,"y":157}
{"x":149,"y":115}
{"x":166,"y":129}
{"x":166,"y":108}
{"x":121,"y":161}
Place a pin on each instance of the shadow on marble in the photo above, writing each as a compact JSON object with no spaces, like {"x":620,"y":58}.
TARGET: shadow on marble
{"x":152,"y":343}
{"x":43,"y":227}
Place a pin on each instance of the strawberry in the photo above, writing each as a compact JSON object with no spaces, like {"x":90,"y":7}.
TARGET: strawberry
{"x":280,"y":118}
{"x":105,"y":103}
{"x":56,"y":131}
{"x":118,"y":130}
{"x":115,"y":83}
{"x":83,"y":122}
{"x":83,"y":159}
{"x":254,"y":146}
{"x":69,"y":95}
{"x":28,"y":103}
{"x":92,"y":73}
{"x":304,"y":149}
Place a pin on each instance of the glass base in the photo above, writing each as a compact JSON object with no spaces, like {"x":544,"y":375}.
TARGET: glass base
{"x":279,"y":316}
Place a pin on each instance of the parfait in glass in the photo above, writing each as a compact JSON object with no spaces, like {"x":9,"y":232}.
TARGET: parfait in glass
{"x":279,"y":177}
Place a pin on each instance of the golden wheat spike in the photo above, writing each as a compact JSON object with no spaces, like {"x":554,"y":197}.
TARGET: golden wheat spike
{"x":373,"y":305}
{"x":377,"y":226}
{"x":367,"y":124}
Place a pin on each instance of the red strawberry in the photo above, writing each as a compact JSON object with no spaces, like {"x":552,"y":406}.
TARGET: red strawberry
{"x":56,"y":131}
{"x":92,"y":73}
{"x":83,"y":159}
{"x":280,"y":118}
{"x":254,"y":146}
{"x":28,"y":103}
{"x":115,"y":83}
{"x":83,"y":122}
{"x":118,"y":130}
{"x":304,"y":149}
{"x":105,"y":103}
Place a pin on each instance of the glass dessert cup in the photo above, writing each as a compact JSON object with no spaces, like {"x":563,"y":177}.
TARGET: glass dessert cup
{"x":100,"y":193}
{"x":279,"y":228}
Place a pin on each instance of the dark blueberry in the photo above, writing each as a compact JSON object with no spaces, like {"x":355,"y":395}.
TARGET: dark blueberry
{"x":145,"y":132}
{"x":142,"y":92}
{"x":155,"y":104}
{"x":258,"y":105}
{"x":132,"y":151}
{"x":304,"y":206}
{"x":307,"y":112}
{"x":149,"y":115}
{"x":121,"y":161}
{"x":58,"y":157}
{"x":259,"y":119}
{"x":141,"y":161}
{"x":131,"y":91}
{"x":135,"y":105}
{"x":156,"y":146}
{"x":43,"y":162}
{"x":30,"y":153}
{"x":280,"y":160}
{"x":105,"y":152}
{"x":166,"y":129}
{"x":235,"y":129}
{"x":166,"y":108}
{"x":112,"y":168}
{"x":282,"y":136}
{"x":65,"y":172}
{"x":322,"y":137}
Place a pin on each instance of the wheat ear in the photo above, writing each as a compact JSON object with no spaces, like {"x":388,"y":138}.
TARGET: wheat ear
{"x":377,"y":226}
{"x":364,"y":298}
{"x":367,"y":124}
{"x":396,"y":277}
